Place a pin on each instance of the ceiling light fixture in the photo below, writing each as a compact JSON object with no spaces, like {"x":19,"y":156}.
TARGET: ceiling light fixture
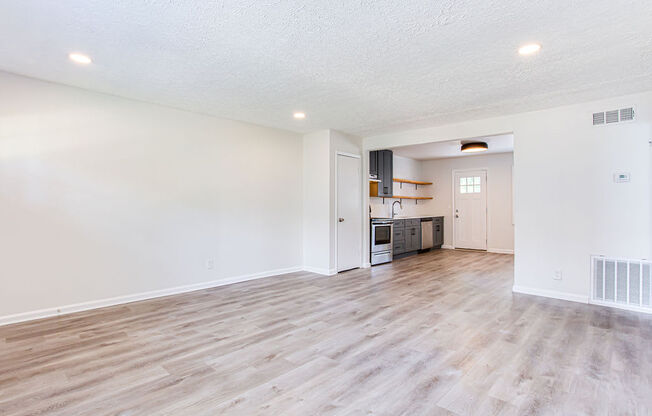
{"x":80,"y":58}
{"x":529,"y":49}
{"x":299,"y":115}
{"x":474,"y":147}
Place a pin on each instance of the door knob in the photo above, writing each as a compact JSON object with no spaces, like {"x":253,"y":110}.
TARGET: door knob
{"x":457,"y":216}
{"x":341,"y":220}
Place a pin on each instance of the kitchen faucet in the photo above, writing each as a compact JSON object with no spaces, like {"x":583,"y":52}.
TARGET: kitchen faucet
{"x":399,"y":204}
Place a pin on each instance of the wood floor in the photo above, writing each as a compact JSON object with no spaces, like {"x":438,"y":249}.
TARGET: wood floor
{"x":436,"y":334}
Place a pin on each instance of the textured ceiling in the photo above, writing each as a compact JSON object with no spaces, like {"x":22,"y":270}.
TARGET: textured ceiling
{"x":452,"y":148}
{"x":360,"y":66}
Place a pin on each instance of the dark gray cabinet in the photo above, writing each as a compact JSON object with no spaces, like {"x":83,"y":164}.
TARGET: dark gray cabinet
{"x":399,"y":237}
{"x":382,"y":162}
{"x":438,"y":232}
{"x":413,"y":238}
{"x":373,"y":164}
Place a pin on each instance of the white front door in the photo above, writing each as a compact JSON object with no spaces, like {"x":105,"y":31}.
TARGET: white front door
{"x":349,"y":213}
{"x":470,"y":210}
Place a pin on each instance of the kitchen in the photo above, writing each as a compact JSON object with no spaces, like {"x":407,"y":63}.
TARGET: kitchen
{"x":402,"y":230}
{"x":438,"y":195}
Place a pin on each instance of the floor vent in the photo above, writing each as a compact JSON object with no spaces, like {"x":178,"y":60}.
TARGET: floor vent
{"x":622,"y":283}
{"x":613,"y":116}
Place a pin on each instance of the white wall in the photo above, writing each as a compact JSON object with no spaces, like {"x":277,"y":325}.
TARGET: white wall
{"x":102,"y":197}
{"x":500,"y":229}
{"x":566,"y":206}
{"x":316,"y":201}
{"x":320,"y":209}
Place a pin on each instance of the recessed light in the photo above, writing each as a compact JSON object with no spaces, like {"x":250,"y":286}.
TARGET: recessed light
{"x":80,"y":58}
{"x":529,"y":49}
{"x":299,"y":115}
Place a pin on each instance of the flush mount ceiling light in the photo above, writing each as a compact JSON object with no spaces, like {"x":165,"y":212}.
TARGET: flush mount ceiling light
{"x":299,"y":115}
{"x":529,"y":49}
{"x":80,"y":58}
{"x":474,"y":147}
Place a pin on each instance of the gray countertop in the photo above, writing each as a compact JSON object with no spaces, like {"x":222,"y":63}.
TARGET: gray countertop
{"x":406,"y":218}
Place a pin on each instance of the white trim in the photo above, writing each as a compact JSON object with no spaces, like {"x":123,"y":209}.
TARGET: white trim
{"x":336,"y":211}
{"x":550,"y":294}
{"x":500,"y":250}
{"x":119,"y":300}
{"x":320,"y":270}
{"x":356,"y":156}
{"x":486,"y":201}
{"x":621,"y":306}
{"x":447,"y":247}
{"x":366,"y":265}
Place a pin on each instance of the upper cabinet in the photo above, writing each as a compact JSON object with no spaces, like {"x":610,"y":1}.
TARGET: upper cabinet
{"x":381,"y":169}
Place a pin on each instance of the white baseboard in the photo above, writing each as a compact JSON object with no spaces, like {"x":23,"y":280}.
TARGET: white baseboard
{"x":102,"y":303}
{"x":366,"y":265}
{"x":551,"y":294}
{"x":633,"y":308}
{"x":319,"y":270}
{"x":447,"y":247}
{"x":500,"y":250}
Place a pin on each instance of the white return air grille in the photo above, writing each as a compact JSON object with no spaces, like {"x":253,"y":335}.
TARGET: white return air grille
{"x":622,"y":283}
{"x":613,"y":116}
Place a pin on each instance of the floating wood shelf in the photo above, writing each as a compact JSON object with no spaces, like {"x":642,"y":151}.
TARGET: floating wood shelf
{"x":419,"y":198}
{"x":411,"y":181}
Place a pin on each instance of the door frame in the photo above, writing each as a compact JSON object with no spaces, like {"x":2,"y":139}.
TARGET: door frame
{"x":335,"y":211}
{"x":453,"y":184}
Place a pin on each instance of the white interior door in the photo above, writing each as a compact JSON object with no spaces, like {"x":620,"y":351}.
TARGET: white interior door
{"x":349,"y":213}
{"x":470,"y":210}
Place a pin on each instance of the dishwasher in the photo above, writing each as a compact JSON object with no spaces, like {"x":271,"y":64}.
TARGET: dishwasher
{"x":426,"y":233}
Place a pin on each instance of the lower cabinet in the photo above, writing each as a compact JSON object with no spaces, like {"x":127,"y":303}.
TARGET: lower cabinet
{"x":407,"y":235}
{"x":437,"y":232}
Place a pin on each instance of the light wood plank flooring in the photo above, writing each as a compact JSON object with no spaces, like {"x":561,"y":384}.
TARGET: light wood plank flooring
{"x":436,"y":334}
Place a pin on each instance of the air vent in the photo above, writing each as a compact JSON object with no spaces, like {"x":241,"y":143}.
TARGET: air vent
{"x":598,"y":118}
{"x":627,"y":114}
{"x":613,"y":116}
{"x":622,"y":283}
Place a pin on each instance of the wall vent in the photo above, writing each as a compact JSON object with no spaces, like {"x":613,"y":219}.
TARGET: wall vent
{"x":627,"y":114}
{"x":613,"y":116}
{"x":621,"y":283}
{"x":598,"y":118}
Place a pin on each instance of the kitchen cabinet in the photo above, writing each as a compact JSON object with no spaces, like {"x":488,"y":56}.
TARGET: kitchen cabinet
{"x":413,"y":237}
{"x":382,"y":161}
{"x":373,"y":164}
{"x":437,"y":232}
{"x":399,"y":237}
{"x":407,"y":235}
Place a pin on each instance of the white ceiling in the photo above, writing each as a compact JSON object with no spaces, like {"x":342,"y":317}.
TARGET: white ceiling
{"x":359,"y":66}
{"x":452,"y":148}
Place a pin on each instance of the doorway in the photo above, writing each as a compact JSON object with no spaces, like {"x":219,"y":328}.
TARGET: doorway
{"x":349,"y":208}
{"x":470,"y":209}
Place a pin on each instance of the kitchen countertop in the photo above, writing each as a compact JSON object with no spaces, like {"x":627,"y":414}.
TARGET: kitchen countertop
{"x":406,"y":218}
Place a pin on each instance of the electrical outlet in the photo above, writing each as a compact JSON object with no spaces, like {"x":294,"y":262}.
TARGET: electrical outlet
{"x":210,"y":264}
{"x":557,"y":275}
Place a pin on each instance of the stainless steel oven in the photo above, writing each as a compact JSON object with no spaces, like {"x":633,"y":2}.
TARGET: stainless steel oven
{"x":381,"y":241}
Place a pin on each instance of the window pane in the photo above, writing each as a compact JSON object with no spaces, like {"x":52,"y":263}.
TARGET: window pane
{"x":463,"y":189}
{"x":462,"y":181}
{"x":469,"y":189}
{"x":476,"y":180}
{"x":476,"y":188}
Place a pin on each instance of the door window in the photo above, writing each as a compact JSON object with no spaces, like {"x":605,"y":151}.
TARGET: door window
{"x":470,"y":185}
